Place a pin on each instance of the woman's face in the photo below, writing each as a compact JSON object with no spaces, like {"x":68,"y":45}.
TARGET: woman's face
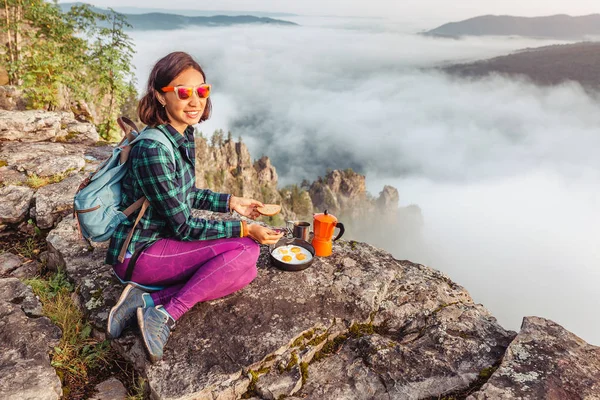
{"x":182,"y":113}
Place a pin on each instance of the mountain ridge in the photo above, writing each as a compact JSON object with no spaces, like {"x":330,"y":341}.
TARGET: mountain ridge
{"x":559,"y":26}
{"x":171,"y":21}
{"x":547,"y":65}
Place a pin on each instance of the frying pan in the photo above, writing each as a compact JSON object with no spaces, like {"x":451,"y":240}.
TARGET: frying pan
{"x":295,"y":242}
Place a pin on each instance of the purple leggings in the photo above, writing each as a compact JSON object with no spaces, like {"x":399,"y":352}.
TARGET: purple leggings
{"x":192,"y":272}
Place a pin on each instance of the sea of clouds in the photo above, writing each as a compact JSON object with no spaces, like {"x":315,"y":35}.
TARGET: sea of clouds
{"x":505,"y":172}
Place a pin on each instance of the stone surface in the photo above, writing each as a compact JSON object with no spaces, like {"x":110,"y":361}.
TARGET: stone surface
{"x":82,"y":111}
{"x":53,"y":202}
{"x":29,"y":126}
{"x":15,"y":203}
{"x":545,"y":361}
{"x":345,"y":376}
{"x":10,"y":176}
{"x":39,"y":126}
{"x":85,"y":265}
{"x":11,"y":98}
{"x":437,"y":336}
{"x":43,"y":159}
{"x":26,"y":338}
{"x":427,"y":338}
{"x":77,"y":131}
{"x":29,"y":269}
{"x":111,"y":389}
{"x":273,"y":386}
{"x":8,"y":263}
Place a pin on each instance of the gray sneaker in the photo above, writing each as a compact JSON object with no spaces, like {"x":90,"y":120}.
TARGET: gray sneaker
{"x":122,"y":314}
{"x":155,"y":325}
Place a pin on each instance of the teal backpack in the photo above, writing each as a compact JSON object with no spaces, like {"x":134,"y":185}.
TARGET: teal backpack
{"x":97,"y":203}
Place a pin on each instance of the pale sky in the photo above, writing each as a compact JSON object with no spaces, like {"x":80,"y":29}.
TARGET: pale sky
{"x":397,"y":9}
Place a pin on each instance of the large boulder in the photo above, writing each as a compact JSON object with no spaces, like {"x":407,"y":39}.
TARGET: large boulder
{"x":545,"y":361}
{"x":10,"y":176}
{"x":406,"y":329}
{"x":53,"y":202}
{"x":8,"y":263}
{"x":111,"y":389}
{"x":43,"y":159}
{"x":26,"y":339}
{"x":75,"y":131}
{"x":40,"y":125}
{"x":15,"y":203}
{"x":30,"y":126}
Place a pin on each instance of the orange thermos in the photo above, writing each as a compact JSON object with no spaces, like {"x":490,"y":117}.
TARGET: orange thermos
{"x":323,"y":225}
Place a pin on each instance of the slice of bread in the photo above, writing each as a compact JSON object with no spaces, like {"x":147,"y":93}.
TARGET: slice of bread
{"x":269,"y":209}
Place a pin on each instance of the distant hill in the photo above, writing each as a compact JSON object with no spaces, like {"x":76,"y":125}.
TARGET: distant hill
{"x":166,"y":21}
{"x":200,"y":13}
{"x":553,"y":27}
{"x":549,"y":65}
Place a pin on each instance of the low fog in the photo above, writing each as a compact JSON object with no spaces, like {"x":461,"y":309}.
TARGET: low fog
{"x":505,"y":172}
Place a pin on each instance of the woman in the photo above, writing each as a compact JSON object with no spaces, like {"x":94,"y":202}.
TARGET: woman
{"x":189,"y":259}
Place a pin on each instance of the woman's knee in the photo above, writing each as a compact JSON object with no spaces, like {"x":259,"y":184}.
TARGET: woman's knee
{"x":252,"y":249}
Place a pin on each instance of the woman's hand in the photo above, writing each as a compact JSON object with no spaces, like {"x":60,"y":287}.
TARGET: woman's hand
{"x":263,"y":235}
{"x":244,"y":206}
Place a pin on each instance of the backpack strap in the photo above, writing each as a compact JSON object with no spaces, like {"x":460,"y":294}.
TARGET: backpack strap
{"x":145,"y":204}
{"x":159,"y":136}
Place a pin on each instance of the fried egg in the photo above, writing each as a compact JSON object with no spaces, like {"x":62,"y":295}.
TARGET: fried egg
{"x":292,"y":254}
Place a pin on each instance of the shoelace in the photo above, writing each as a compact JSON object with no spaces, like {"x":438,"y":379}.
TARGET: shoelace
{"x":165,"y":328}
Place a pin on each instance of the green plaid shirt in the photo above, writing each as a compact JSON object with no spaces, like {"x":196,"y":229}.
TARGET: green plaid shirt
{"x":171,"y":190}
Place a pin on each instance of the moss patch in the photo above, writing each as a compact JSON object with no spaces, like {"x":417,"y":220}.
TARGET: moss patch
{"x":305,"y":336}
{"x":36,"y":182}
{"x":318,"y":339}
{"x":304,"y":372}
{"x":330,"y":347}
{"x":68,"y":137}
{"x":486,"y":373}
{"x":270,"y":358}
{"x":3,"y":163}
{"x":293,"y":361}
{"x":355,"y":331}
{"x":359,"y":330}
{"x":254,"y":375}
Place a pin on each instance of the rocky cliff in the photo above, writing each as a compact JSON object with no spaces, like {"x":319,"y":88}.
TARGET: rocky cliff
{"x":359,"y":324}
{"x":226,"y":166}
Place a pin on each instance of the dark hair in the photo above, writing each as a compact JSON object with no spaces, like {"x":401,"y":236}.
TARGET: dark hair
{"x":150,"y":111}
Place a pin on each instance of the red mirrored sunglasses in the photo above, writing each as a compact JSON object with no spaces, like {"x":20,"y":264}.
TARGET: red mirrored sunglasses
{"x":185,"y":92}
